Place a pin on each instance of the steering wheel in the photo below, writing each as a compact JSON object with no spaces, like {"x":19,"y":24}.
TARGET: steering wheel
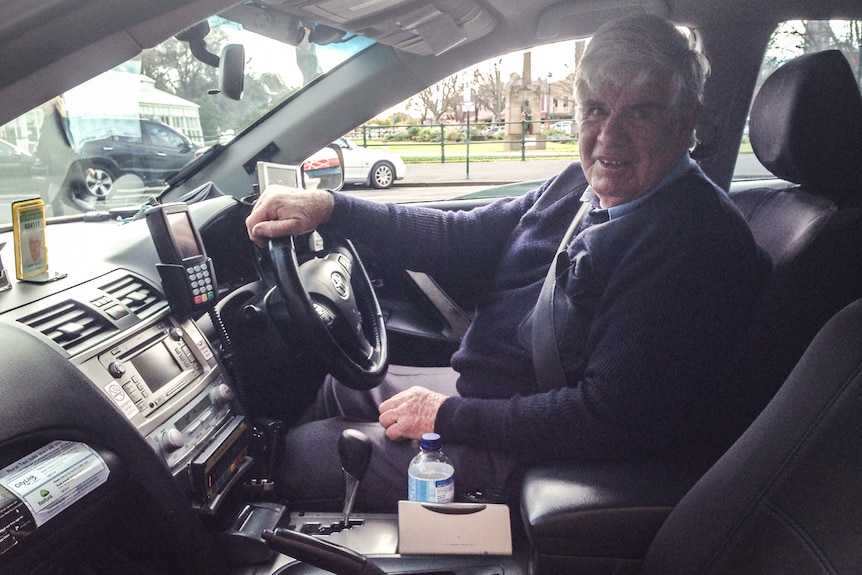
{"x":330,"y":298}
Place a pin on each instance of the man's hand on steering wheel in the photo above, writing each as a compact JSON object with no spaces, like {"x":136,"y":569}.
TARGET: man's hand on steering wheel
{"x":328,"y":295}
{"x":282,"y":211}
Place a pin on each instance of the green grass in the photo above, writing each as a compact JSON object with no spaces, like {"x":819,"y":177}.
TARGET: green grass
{"x":480,"y":151}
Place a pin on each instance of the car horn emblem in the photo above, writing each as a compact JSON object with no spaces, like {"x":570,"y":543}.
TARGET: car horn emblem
{"x":340,"y":284}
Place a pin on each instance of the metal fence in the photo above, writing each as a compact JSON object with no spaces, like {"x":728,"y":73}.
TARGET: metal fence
{"x":511,"y":140}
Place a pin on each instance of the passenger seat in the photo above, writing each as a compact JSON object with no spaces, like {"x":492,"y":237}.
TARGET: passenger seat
{"x":806,"y":128}
{"x":785,"y":498}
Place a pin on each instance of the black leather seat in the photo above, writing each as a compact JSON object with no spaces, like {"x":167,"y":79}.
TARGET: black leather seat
{"x":806,"y":127}
{"x":786,"y":498}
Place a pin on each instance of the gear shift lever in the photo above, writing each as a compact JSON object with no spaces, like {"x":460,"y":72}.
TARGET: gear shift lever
{"x":354,"y":448}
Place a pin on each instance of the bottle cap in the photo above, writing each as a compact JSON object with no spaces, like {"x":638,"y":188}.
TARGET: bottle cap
{"x":430,"y":442}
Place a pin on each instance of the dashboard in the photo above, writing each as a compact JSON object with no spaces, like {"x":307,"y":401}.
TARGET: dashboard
{"x":126,"y":443}
{"x":114,"y":410}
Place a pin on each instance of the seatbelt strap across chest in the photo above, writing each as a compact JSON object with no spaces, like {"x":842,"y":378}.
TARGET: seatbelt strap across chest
{"x":546,"y":353}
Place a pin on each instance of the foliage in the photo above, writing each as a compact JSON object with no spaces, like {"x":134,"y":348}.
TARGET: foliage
{"x":176,"y":71}
{"x":798,"y":37}
{"x":489,"y":93}
{"x":453,"y":134}
{"x":442,"y":98}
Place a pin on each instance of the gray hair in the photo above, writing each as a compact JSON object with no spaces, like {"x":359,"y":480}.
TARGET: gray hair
{"x":655,"y":47}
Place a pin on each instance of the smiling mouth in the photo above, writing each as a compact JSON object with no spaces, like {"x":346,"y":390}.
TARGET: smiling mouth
{"x":610,"y":163}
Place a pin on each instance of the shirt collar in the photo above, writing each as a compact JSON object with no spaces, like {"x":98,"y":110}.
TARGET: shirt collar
{"x":681,"y":166}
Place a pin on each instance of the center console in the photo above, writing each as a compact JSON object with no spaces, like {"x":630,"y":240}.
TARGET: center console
{"x":167,"y":381}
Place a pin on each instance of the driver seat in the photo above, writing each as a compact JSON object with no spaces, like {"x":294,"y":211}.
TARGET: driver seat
{"x":807,"y":129}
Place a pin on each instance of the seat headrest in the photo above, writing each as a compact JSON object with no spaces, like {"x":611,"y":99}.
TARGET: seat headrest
{"x":806,"y":125}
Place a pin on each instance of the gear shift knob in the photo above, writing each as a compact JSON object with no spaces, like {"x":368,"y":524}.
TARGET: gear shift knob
{"x":354,"y":449}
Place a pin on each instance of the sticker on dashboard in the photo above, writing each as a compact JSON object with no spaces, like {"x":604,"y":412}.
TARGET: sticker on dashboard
{"x":53,"y":478}
{"x":121,"y":399}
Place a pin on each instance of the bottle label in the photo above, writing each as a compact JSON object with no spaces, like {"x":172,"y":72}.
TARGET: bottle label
{"x":431,"y":482}
{"x":431,"y":490}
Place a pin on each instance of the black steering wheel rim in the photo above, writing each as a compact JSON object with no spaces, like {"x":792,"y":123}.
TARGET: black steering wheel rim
{"x":331,"y":300}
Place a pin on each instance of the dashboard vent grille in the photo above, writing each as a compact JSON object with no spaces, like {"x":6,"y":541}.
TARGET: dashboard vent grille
{"x":136,"y":295}
{"x":69,"y":324}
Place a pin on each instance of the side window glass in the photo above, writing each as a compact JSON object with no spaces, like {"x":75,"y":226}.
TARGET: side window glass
{"x":163,"y":137}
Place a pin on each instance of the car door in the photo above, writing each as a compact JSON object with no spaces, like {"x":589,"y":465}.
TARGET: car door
{"x":14,"y":168}
{"x":425,"y":316}
{"x":165,"y":150}
{"x":112,"y":144}
{"x":355,"y":168}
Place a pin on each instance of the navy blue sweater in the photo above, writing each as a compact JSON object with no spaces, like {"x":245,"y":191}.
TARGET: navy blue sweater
{"x":661,"y":293}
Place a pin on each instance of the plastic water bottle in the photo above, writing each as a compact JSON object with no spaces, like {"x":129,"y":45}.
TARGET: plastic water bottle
{"x":431,"y":475}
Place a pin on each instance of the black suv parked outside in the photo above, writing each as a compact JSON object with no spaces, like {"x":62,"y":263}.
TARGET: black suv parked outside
{"x":114,"y":147}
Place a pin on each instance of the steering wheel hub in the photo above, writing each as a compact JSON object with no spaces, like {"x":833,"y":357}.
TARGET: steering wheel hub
{"x":329,"y":298}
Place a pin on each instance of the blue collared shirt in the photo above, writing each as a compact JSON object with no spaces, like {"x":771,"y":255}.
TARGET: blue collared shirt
{"x":616,"y":211}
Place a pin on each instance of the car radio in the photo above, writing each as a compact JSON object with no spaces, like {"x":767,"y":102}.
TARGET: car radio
{"x":153,"y":365}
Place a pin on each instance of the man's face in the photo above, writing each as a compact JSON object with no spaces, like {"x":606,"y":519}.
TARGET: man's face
{"x":627,"y":138}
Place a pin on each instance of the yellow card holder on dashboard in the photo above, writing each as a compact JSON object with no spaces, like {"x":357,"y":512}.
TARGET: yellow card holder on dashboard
{"x":28,"y":233}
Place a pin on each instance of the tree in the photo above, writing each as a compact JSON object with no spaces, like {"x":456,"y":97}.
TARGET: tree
{"x":805,"y":36}
{"x":439,"y":99}
{"x":490,"y":91}
{"x":176,"y":71}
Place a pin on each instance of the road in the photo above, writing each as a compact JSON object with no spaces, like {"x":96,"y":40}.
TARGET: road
{"x":428,"y":182}
{"x":408,"y":193}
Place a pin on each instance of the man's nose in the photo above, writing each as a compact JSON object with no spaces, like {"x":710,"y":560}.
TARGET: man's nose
{"x":613,"y":128}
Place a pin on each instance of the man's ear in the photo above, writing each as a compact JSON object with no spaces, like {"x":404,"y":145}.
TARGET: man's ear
{"x":691,"y":122}
{"x":688,"y":123}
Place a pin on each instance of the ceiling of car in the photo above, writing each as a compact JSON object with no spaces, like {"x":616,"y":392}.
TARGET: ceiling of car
{"x":426,"y":28}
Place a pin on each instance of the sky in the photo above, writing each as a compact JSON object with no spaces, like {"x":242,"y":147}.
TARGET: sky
{"x":557,"y":58}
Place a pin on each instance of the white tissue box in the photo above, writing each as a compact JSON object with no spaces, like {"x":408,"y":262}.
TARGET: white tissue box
{"x":454,"y":528}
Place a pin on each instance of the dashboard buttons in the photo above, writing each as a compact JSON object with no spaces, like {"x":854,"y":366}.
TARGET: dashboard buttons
{"x":116,"y":369}
{"x":222,"y":394}
{"x":172,"y":440}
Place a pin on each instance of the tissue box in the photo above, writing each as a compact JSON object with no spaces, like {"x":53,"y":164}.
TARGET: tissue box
{"x":454,"y":528}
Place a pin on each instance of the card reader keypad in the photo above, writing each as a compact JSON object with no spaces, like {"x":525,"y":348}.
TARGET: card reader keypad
{"x":200,"y":281}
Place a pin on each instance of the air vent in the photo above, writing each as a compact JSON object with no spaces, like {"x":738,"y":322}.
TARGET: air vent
{"x":136,"y":295}
{"x":70,"y":324}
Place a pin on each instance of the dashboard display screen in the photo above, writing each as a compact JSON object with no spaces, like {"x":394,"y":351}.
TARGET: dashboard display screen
{"x":156,"y":366}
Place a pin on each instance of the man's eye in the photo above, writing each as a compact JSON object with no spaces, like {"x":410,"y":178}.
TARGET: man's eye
{"x":594,"y":111}
{"x":642,"y":114}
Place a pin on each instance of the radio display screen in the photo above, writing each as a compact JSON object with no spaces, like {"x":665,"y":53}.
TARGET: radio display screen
{"x":156,"y":366}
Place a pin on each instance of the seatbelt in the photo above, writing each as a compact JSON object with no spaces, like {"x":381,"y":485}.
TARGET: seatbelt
{"x":546,"y":353}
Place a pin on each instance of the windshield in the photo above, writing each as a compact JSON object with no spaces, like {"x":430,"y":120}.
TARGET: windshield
{"x":113,"y":140}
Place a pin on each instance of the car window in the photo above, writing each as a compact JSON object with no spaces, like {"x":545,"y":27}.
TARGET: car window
{"x":90,"y":139}
{"x":6,"y":150}
{"x":82,"y":129}
{"x":432,"y":126}
{"x":163,"y":136}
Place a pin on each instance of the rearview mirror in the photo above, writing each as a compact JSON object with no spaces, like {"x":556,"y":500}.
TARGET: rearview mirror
{"x":232,"y":71}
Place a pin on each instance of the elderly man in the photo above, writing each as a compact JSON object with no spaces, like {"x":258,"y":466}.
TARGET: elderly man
{"x":657,"y":283}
